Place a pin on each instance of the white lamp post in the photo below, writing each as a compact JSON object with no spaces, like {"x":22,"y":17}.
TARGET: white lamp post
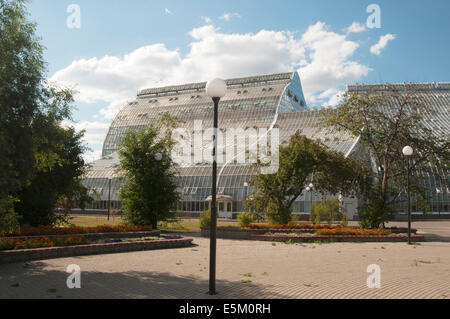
{"x":216,"y":89}
{"x":438,"y":192}
{"x":109,"y":196}
{"x":246,"y":189}
{"x":310,"y":189}
{"x":408,"y":152}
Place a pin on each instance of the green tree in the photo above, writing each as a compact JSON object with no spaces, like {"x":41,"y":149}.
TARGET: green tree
{"x":275,"y":193}
{"x":151,"y":190}
{"x":57,"y":176}
{"x":35,"y":166}
{"x":386,"y":122}
{"x":21,"y":72}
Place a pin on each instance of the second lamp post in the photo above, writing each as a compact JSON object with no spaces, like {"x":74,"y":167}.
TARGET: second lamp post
{"x":216,"y":89}
{"x":408,"y":152}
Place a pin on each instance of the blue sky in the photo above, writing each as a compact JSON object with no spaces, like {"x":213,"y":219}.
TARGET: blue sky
{"x":124,"y":46}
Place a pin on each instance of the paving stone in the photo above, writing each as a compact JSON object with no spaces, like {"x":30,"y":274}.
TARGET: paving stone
{"x":293,"y":271}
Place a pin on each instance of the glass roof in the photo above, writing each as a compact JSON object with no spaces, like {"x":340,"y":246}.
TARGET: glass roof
{"x":270,"y":101}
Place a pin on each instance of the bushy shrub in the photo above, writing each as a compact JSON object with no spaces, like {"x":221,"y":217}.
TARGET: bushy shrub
{"x":257,"y":206}
{"x":245,"y":219}
{"x":317,"y":219}
{"x":329,"y":210}
{"x":344,"y":220}
{"x":205,"y":219}
{"x":374,"y":214}
{"x":9,"y":222}
{"x":278,"y":215}
{"x":314,"y":215}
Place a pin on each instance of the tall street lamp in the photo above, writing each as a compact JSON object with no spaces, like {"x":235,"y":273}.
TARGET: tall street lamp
{"x":310,"y":189}
{"x":245,"y":195}
{"x":216,"y":89}
{"x":408,"y":152}
{"x":438,"y":192}
{"x":109,"y":196}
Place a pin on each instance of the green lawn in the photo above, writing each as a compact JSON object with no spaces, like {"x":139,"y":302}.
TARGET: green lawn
{"x":180,"y":225}
{"x":92,"y":221}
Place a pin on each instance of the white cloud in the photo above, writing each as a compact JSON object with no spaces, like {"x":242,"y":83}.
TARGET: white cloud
{"x":382,"y":43}
{"x":322,"y":57}
{"x":328,"y":93}
{"x":333,"y":95}
{"x":328,"y":61}
{"x":356,"y":27}
{"x":206,"y":19}
{"x":229,"y":16}
{"x":168,"y":11}
{"x":116,"y":79}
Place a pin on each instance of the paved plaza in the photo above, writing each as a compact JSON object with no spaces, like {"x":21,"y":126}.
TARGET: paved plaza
{"x":246,"y":269}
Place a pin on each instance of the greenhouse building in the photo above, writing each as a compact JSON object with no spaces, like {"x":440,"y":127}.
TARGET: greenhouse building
{"x":264,"y":110}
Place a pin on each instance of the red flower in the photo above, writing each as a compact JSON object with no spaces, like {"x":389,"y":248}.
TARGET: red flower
{"x":30,"y":243}
{"x":48,"y":230}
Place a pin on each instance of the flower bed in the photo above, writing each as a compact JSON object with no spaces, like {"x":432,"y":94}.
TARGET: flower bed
{"x":30,"y":243}
{"x":20,"y":255}
{"x":46,"y":230}
{"x":97,"y":236}
{"x":337,"y":238}
{"x":308,"y":232}
{"x":353,"y":232}
{"x":300,"y":226}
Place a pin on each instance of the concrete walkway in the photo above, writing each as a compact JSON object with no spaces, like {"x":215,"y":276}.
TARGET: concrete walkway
{"x":246,"y":269}
{"x":433,"y":230}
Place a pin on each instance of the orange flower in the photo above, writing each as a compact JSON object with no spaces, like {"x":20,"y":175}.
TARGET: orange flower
{"x":294,"y":226}
{"x":352,"y":231}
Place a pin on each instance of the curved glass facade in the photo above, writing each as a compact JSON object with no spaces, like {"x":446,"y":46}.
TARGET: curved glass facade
{"x":252,"y":106}
{"x":434,"y":99}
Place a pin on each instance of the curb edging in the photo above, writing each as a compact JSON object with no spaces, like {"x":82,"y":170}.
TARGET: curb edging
{"x":13,"y":256}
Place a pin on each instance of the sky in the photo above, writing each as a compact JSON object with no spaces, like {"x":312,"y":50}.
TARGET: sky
{"x":108,"y":50}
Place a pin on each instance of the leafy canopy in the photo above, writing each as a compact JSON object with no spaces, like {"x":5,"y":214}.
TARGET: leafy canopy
{"x":40,"y":161}
{"x":151,"y":190}
{"x":386,"y":122}
{"x":275,"y":193}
